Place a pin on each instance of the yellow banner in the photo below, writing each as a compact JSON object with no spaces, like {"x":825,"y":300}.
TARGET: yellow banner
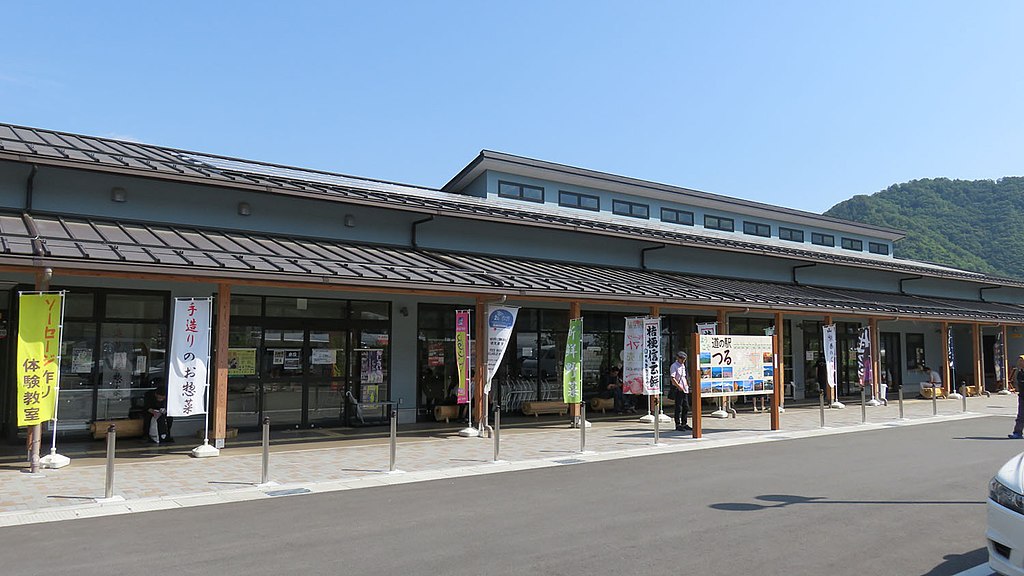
{"x":38,"y":356}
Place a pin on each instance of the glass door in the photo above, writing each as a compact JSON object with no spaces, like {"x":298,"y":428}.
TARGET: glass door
{"x":369,"y":373}
{"x":326,"y":381}
{"x":284,"y":364}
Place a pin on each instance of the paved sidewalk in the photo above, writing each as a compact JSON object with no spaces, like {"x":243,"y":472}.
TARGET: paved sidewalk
{"x":153,"y":479}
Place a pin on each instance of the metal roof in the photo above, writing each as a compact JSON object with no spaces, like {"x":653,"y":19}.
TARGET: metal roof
{"x":46,"y":147}
{"x":97,"y":246}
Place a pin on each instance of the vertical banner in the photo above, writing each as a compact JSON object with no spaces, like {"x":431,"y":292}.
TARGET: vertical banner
{"x":997,"y":355}
{"x":633,"y":357}
{"x":572,"y":373}
{"x":461,"y":357}
{"x":829,"y":342}
{"x":190,"y":357}
{"x":950,"y":355}
{"x":500,"y":320}
{"x":38,"y":372}
{"x":652,"y":356}
{"x":865,"y":374}
{"x":707,"y":328}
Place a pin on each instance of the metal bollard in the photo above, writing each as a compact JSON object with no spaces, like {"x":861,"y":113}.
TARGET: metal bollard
{"x":821,"y":406}
{"x":583,"y":427}
{"x":657,"y":422}
{"x":394,"y":438}
{"x":265,"y":476}
{"x":963,"y":397}
{"x":935,"y":403}
{"x":111,"y":442}
{"x":901,"y":402}
{"x":863,"y":406}
{"x":497,"y":430}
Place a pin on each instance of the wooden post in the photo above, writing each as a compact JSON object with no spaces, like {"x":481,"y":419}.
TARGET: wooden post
{"x":1006,"y":363}
{"x":979,"y":362}
{"x":946,"y":372}
{"x":779,"y":374}
{"x":480,"y":370}
{"x":876,"y":362}
{"x":220,"y":387}
{"x":574,"y":409}
{"x":695,"y":386}
{"x":829,"y":400}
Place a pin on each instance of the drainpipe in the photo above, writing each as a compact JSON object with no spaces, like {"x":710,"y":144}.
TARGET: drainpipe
{"x":29,"y":186}
{"x":643,"y":255}
{"x":902,"y":280}
{"x":795,"y":268}
{"x":415,"y":244}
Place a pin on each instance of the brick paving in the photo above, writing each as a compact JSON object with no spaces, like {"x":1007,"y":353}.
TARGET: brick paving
{"x":152,"y":478}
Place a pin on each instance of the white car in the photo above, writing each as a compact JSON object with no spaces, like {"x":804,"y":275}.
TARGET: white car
{"x":1005,"y":532}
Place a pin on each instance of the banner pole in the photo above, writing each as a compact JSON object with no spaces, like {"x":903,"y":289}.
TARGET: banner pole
{"x":53,"y":459}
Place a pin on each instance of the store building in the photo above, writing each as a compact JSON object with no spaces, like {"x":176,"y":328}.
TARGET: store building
{"x":310,"y":270}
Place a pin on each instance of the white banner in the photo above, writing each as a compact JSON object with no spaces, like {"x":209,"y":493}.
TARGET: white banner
{"x":707,"y":328}
{"x":500,"y":320}
{"x":190,"y":357}
{"x":652,"y":356}
{"x":829,"y":333}
{"x":633,"y":357}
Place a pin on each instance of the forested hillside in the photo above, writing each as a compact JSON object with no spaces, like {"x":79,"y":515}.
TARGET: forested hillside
{"x":971,"y":224}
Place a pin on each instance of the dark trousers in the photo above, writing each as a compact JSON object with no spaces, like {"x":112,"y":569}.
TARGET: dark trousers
{"x":682,"y":408}
{"x":163,"y":424}
{"x":1018,"y":426}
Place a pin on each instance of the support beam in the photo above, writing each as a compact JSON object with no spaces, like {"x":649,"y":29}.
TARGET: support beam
{"x":979,"y":361}
{"x":723,"y":321}
{"x":220,"y":384}
{"x":779,"y":371}
{"x":946,"y":372}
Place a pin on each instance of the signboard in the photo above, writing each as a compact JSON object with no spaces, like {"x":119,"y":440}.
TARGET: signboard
{"x":736,"y":365}
{"x":319,"y":356}
{"x":242,"y":362}
{"x":633,"y":357}
{"x":371,"y":368}
{"x":190,"y":357}
{"x":39,"y":333}
{"x":707,"y":328}
{"x":652,"y":356}
{"x":461,"y":354}
{"x":572,"y":376}
{"x":500,"y":320}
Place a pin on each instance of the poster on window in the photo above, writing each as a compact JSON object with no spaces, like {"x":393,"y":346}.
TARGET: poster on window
{"x":736,"y":365}
{"x":829,"y":343}
{"x":633,"y":356}
{"x":572,"y":377}
{"x":242,"y":362}
{"x":321,"y":356}
{"x":292,"y":360}
{"x":500,"y":320}
{"x":652,"y":356}
{"x":435,"y":353}
{"x":462,"y":354}
{"x":371,"y":367}
{"x":189,"y":375}
{"x":81,"y":360}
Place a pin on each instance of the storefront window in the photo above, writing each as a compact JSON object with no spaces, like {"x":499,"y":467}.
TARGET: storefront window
{"x":130,"y":356}
{"x":136,"y":306}
{"x":246,"y":305}
{"x":279,"y":307}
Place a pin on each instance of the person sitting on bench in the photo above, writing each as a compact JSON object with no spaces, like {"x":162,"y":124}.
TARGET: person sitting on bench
{"x":155,"y":406}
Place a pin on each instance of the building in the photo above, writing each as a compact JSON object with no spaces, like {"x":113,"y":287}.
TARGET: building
{"x":311,"y":270}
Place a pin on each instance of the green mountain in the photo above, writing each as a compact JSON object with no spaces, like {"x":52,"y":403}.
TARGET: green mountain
{"x":970,"y":224}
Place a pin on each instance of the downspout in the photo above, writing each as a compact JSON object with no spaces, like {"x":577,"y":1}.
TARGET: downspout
{"x":795,"y":268}
{"x":415,"y":244}
{"x":643,"y":255}
{"x":902,"y":280}
{"x":29,"y":187}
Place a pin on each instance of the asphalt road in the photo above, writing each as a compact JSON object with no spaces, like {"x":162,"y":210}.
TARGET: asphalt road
{"x":900,"y":501}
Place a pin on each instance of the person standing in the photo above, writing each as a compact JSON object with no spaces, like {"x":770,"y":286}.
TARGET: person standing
{"x":1018,"y":425}
{"x":682,"y":391}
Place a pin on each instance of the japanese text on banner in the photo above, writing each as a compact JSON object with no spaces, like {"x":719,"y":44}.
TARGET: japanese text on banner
{"x":461,"y":357}
{"x":572,"y":378}
{"x":38,"y":371}
{"x":190,"y":354}
{"x":652,"y":356}
{"x":633,"y":357}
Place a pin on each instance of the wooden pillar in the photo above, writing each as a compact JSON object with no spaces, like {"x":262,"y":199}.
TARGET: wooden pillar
{"x":829,"y":399}
{"x":979,"y":362}
{"x":220,"y":384}
{"x":695,"y":413}
{"x":779,"y":373}
{"x":876,"y":358}
{"x":1006,"y":363}
{"x":946,"y":372}
{"x":723,"y":322}
{"x":574,"y":409}
{"x":480,"y":360}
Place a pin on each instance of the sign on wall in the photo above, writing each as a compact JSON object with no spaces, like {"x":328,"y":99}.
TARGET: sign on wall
{"x":736,"y":365}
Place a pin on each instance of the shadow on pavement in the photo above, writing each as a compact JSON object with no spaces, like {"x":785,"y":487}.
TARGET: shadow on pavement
{"x":783,"y":500}
{"x":956,"y":563}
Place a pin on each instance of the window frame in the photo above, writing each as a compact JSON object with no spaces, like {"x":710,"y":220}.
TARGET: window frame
{"x":878,"y":248}
{"x":819,"y":239}
{"x":677,"y":213}
{"x":522,"y":191}
{"x":849,"y":243}
{"x":631,"y":209}
{"x":579,"y":196}
{"x":794,"y":234}
{"x":720,"y":219}
{"x":757,"y":229}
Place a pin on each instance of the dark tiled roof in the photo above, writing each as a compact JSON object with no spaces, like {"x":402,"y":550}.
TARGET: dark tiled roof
{"x":92,"y":153}
{"x":120,"y":246}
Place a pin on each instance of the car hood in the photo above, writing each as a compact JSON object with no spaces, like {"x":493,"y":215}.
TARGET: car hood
{"x":1011,"y":474}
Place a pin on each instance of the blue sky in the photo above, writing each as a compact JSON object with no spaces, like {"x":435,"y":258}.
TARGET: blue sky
{"x":801,"y":104}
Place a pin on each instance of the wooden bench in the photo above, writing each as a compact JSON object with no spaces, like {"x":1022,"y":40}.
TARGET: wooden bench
{"x":928,"y":392}
{"x":126,"y":428}
{"x":446,"y":413}
{"x":602,"y":404}
{"x":538,"y":407}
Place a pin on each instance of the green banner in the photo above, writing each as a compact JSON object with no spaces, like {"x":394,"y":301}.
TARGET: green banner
{"x":572,"y":377}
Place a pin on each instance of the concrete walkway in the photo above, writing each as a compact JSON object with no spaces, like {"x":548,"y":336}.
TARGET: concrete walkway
{"x":161,"y":478}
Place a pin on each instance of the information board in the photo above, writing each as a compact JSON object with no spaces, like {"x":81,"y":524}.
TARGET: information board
{"x":736,"y":365}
